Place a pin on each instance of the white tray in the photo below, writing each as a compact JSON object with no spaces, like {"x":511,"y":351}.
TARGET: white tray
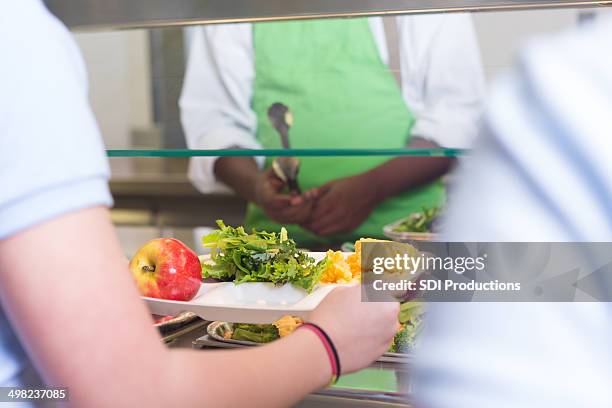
{"x":246,"y":302}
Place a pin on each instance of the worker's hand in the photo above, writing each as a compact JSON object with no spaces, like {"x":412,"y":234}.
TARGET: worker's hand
{"x":344,"y":316}
{"x":342,"y":205}
{"x":280,"y":207}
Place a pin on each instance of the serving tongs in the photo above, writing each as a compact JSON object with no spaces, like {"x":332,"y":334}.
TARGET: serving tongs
{"x":285,"y":168}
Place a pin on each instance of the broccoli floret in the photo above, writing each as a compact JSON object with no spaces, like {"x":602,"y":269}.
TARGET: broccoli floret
{"x":410,"y":318}
{"x":402,"y":341}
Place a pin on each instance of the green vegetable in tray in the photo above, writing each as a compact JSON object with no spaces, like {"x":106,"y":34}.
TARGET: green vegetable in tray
{"x":411,"y":317}
{"x":410,"y":311}
{"x":418,"y":221}
{"x":259,"y":257}
{"x":402,"y":341}
{"x":259,"y":333}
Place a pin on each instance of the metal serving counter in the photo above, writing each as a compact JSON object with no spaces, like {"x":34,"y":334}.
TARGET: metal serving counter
{"x":163,"y":201}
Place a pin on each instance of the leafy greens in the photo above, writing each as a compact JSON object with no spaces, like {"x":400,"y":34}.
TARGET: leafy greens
{"x":259,"y":333}
{"x":259,"y":257}
{"x":418,"y":221}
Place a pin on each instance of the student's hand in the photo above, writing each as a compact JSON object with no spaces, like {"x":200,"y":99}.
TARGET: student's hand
{"x":342,"y":205}
{"x":343,"y":316}
{"x":280,"y":207}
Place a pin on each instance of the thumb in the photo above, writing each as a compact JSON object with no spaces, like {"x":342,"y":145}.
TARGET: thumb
{"x":298,"y":199}
{"x":276,"y":183}
{"x":324,"y":189}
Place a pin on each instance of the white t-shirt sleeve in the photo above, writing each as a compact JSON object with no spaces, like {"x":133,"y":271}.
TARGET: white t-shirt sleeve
{"x":215,"y":101}
{"x":52,"y":157}
{"x":442,"y":77}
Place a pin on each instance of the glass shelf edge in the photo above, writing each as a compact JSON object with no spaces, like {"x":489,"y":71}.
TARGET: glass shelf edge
{"x":434,"y":152}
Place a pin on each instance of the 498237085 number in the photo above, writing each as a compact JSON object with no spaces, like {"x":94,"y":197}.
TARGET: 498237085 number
{"x":8,"y":394}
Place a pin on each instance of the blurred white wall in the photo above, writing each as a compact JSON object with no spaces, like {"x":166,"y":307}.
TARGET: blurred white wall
{"x":120,"y":82}
{"x":501,"y":34}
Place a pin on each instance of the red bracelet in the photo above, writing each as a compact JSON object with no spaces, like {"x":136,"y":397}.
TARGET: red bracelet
{"x":334,"y":361}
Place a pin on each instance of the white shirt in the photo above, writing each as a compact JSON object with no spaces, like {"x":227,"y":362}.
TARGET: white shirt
{"x":52,"y":158}
{"x":542,"y":172}
{"x":441,"y":72}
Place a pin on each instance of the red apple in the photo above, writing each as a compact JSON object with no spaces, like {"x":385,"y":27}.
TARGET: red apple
{"x":166,"y":268}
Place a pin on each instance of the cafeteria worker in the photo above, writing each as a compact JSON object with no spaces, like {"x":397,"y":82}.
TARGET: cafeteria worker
{"x":348,"y":84}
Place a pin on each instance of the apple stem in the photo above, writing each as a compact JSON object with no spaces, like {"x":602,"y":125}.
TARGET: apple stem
{"x":148,"y":268}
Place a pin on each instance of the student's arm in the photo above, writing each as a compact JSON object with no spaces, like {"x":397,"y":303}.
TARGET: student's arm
{"x":343,"y":204}
{"x":66,"y":288}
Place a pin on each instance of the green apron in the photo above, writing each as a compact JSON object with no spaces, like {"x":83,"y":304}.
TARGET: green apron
{"x":342,"y":95}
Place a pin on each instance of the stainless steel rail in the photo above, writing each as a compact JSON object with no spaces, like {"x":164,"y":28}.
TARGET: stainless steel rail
{"x":124,"y":14}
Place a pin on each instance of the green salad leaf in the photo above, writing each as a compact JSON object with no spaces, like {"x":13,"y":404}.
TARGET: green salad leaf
{"x":259,"y":257}
{"x":418,"y":221}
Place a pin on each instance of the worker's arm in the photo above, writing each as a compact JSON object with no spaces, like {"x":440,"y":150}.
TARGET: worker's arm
{"x":343,"y":204}
{"x":239,"y":173}
{"x":65,"y":286}
{"x":405,"y":173}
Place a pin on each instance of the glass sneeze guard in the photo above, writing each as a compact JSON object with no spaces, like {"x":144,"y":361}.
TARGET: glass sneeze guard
{"x":429,"y":152}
